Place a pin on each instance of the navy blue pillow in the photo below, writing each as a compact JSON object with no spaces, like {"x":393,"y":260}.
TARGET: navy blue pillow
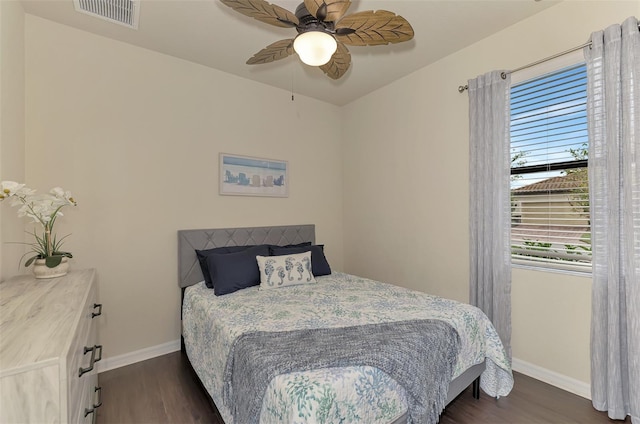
{"x":275,"y":246}
{"x":235,"y":271}
{"x":203,"y":254}
{"x":319,"y":264}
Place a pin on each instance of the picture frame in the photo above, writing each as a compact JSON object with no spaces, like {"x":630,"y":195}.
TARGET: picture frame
{"x":252,"y":176}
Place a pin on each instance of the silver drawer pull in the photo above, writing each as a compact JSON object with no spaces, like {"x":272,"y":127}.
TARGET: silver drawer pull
{"x":93,"y":359}
{"x":95,"y":406}
{"x":99,"y":312}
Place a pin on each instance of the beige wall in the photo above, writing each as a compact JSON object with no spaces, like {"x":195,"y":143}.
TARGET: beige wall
{"x":135,"y":135}
{"x":551,"y":315}
{"x":12,"y":156}
{"x":406,"y":155}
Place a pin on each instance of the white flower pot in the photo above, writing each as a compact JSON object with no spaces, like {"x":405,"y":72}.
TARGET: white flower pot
{"x":41,"y":270}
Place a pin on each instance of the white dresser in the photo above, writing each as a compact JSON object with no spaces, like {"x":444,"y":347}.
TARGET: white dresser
{"x":48,"y":348}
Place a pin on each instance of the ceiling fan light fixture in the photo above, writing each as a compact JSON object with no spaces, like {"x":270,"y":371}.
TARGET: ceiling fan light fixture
{"x":315,"y":48}
{"x":319,"y":42}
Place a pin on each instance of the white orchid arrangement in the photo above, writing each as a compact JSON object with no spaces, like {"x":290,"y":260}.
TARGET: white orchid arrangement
{"x":43,"y":209}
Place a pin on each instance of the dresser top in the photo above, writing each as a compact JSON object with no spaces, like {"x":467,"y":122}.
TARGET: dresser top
{"x":38,"y":318}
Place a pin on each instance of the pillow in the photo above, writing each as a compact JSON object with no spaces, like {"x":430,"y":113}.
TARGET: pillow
{"x":231,"y":272}
{"x":275,"y":246}
{"x":202,"y":259}
{"x":202,"y":256}
{"x":285,"y":270}
{"x":319,"y":264}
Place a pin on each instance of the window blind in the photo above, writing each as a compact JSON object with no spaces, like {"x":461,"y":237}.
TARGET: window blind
{"x":550,"y":222}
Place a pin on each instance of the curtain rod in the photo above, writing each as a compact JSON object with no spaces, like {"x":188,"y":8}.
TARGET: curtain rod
{"x":463,"y":88}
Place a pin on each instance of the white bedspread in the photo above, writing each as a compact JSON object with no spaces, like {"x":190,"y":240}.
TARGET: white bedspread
{"x":354,"y":394}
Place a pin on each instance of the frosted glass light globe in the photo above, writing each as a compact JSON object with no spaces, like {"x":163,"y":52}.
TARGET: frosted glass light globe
{"x":315,"y":48}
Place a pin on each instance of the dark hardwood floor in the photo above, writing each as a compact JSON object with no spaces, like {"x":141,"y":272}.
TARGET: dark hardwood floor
{"x":164,"y":390}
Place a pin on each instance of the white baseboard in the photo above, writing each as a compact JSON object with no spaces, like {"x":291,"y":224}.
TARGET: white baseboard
{"x":107,"y":364}
{"x":569,"y":384}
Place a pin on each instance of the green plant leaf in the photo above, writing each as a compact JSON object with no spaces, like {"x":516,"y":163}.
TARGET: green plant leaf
{"x":30,"y":260}
{"x":53,"y":261}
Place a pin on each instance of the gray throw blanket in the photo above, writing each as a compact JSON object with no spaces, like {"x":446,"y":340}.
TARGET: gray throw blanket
{"x":418,"y":354}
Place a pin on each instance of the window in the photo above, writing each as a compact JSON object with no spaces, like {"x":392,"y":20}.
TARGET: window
{"x":550,"y":222}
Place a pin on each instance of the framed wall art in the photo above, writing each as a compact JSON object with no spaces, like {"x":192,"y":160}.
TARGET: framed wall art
{"x":249,"y":176}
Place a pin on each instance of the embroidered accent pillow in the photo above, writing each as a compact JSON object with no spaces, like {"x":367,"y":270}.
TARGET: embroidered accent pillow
{"x":285,"y":270}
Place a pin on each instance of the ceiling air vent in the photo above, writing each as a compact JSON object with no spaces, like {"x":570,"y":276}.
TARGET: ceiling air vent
{"x":123,"y":12}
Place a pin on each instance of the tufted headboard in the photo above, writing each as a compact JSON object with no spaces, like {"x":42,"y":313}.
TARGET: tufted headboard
{"x":189,"y":272}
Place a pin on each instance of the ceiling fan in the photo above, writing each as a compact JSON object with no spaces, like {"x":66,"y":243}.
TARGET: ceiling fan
{"x":323,"y":31}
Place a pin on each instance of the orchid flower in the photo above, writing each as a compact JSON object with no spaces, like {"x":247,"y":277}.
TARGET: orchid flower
{"x":42,"y":209}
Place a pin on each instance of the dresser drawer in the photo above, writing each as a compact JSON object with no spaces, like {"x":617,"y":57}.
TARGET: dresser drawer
{"x":84,"y":353}
{"x":31,"y":397}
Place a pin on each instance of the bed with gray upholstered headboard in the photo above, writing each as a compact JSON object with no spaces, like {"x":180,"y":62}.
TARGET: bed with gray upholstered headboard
{"x":190,"y":274}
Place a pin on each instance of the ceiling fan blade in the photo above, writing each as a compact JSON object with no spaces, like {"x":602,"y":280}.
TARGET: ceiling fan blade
{"x":264,"y":12}
{"x":373,"y":28}
{"x":339,"y":63}
{"x":276,"y":51}
{"x":335,"y":8}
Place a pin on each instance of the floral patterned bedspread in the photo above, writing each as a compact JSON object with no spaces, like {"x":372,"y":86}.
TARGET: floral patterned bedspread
{"x":336,"y":395}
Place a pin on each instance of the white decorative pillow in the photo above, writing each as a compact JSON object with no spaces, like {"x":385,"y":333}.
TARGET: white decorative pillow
{"x":285,"y":270}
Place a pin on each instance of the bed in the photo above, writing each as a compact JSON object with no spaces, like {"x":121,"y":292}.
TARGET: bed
{"x":211,"y":326}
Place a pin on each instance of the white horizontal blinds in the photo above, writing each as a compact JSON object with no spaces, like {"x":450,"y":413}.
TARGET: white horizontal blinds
{"x":550,"y":223}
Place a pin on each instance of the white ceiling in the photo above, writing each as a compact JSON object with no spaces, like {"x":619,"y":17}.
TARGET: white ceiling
{"x":209,"y":33}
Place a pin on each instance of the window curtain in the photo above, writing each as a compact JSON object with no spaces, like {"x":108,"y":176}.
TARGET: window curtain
{"x":613,"y":108}
{"x":490,"y":213}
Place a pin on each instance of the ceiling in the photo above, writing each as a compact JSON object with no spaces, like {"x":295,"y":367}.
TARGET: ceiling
{"x":210,"y":33}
